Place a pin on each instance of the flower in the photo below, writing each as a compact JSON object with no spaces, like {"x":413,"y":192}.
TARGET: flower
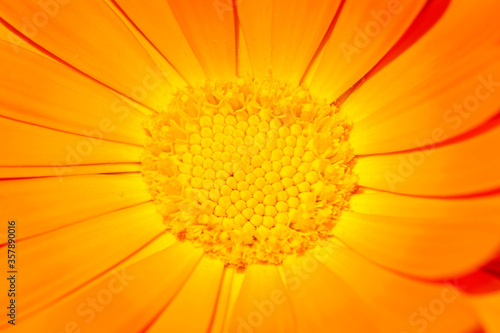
{"x":250,"y":166}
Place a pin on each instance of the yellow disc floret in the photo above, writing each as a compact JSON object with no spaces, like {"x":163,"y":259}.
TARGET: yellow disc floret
{"x":249,"y":170}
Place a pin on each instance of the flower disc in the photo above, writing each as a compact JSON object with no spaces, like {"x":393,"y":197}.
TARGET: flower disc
{"x":249,"y":170}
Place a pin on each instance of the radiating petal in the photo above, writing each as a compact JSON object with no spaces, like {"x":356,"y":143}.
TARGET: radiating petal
{"x":95,"y":42}
{"x":211,"y":34}
{"x":322,"y":302}
{"x":78,"y":253}
{"x":60,"y":171}
{"x":262,"y":304}
{"x":464,"y":167}
{"x":158,"y":244}
{"x":298,"y":28}
{"x":15,"y":42}
{"x":226,"y":311}
{"x":155,"y":19}
{"x":397,"y":303}
{"x":183,"y":314}
{"x":132,"y":296}
{"x":220,"y":309}
{"x":37,"y":90}
{"x":487,"y":308}
{"x":255,"y":18}
{"x":422,"y":247}
{"x":163,"y":66}
{"x":440,"y":87}
{"x":479,"y":209}
{"x":364,"y":32}
{"x":30,"y":145}
{"x":243,"y":65}
{"x":45,"y":204}
{"x":480,"y":282}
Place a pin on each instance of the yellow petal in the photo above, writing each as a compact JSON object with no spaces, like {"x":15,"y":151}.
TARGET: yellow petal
{"x":225,"y":312}
{"x":184,"y":315}
{"x":262,"y":304}
{"x":37,"y":90}
{"x":45,"y":204}
{"x":422,"y":247}
{"x":442,"y":86}
{"x":464,"y":167}
{"x":220,"y":310}
{"x":364,"y":32}
{"x":210,"y":32}
{"x":95,"y":42}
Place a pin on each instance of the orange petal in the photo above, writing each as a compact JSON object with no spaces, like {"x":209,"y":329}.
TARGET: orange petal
{"x":210,"y":30}
{"x":425,"y":307}
{"x":262,"y":304}
{"x":479,"y":209}
{"x":45,"y":204}
{"x":298,"y":28}
{"x":487,"y":308}
{"x":163,"y":66}
{"x":422,"y":247}
{"x":244,"y":67}
{"x":37,"y":90}
{"x":15,"y":42}
{"x":364,"y":32}
{"x":156,"y":20}
{"x":321,"y":300}
{"x":59,"y":171}
{"x":255,"y":18}
{"x":75,"y":254}
{"x":465,"y":167}
{"x":121,"y":295}
{"x":95,"y":42}
{"x":440,"y":87}
{"x":203,"y":285}
{"x":31,"y":145}
{"x":158,"y":244}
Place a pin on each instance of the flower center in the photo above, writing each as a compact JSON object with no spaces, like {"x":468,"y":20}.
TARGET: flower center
{"x":251,"y":171}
